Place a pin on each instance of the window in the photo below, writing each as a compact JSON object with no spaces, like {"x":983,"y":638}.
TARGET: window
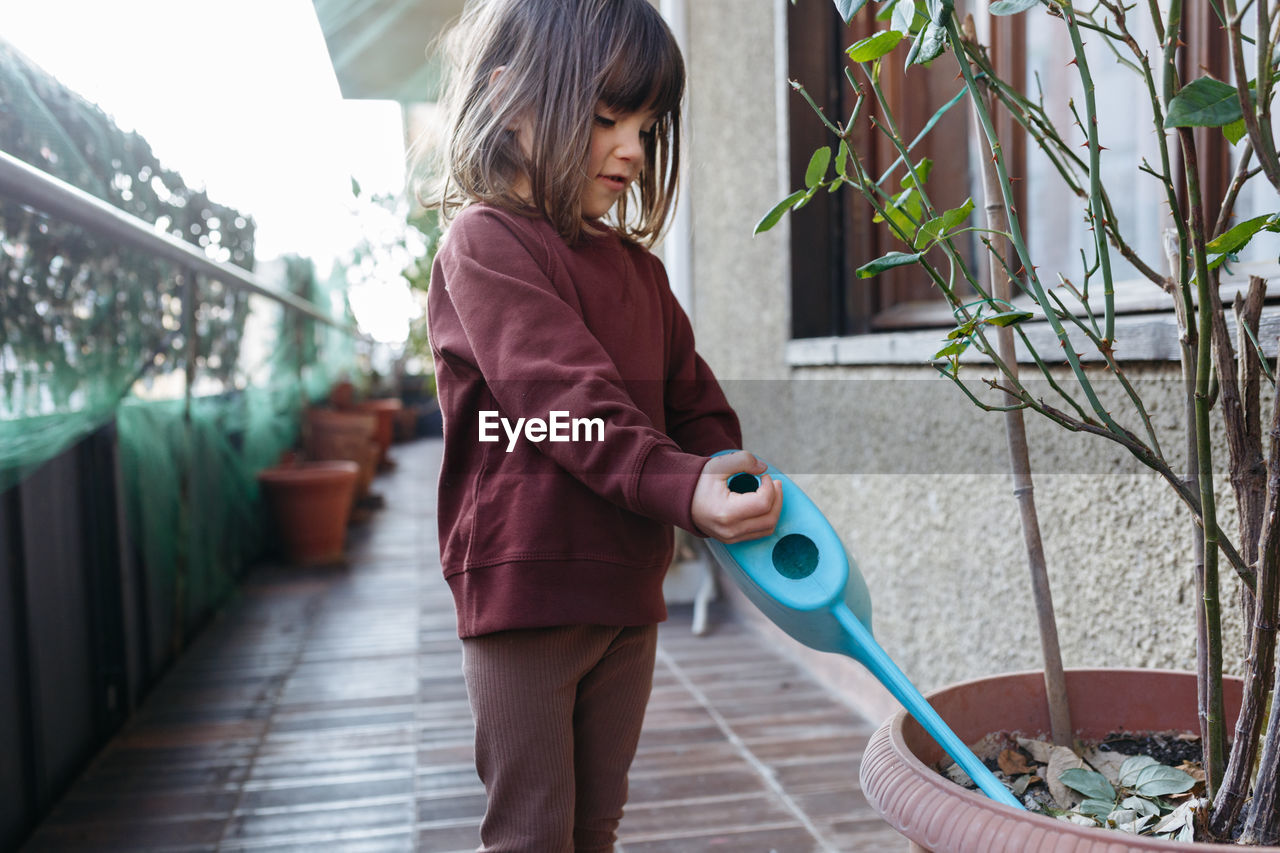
{"x":834,"y":235}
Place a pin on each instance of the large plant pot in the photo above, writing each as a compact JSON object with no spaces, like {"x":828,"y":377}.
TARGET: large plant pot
{"x":310,"y":503}
{"x":937,"y":815}
{"x":334,"y":435}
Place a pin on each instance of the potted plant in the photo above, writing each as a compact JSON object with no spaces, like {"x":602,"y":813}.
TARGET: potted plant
{"x":992,"y":315}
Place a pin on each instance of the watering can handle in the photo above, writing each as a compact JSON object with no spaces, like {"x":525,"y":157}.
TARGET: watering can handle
{"x":887,"y":673}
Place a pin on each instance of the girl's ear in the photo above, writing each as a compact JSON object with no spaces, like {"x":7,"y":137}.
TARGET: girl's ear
{"x":497,"y":86}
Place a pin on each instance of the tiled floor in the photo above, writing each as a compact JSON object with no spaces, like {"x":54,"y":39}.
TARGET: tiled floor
{"x":325,"y":710}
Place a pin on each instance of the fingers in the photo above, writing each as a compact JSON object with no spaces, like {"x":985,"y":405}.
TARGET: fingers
{"x":732,"y":515}
{"x":756,"y":513}
{"x":733,"y":463}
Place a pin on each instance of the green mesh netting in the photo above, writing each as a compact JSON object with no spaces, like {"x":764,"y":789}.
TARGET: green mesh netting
{"x":91,"y":331}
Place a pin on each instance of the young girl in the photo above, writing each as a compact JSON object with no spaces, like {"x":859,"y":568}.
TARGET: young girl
{"x":578,"y":419}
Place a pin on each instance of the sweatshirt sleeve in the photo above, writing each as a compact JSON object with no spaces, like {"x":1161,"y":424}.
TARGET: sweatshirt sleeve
{"x":537,"y":356}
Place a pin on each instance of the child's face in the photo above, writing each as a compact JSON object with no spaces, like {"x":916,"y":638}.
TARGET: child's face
{"x":616,"y":157}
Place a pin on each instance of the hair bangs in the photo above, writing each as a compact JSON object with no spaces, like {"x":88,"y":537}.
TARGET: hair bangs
{"x":643,"y":69}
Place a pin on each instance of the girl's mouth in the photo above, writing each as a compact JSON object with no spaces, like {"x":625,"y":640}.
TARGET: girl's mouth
{"x":615,"y":182}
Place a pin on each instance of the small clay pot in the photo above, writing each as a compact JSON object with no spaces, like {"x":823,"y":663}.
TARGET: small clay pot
{"x":331,"y":434}
{"x":310,"y":503}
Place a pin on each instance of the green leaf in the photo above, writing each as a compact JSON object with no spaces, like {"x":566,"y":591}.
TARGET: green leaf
{"x":873,"y":47}
{"x":1238,"y":237}
{"x":355,"y":187}
{"x":1011,"y":7}
{"x":1141,"y":806}
{"x":1235,"y":131}
{"x":1096,"y":808}
{"x":939,"y":226}
{"x":1009,"y":318}
{"x":1204,"y":102}
{"x":849,"y":8}
{"x":1131,"y":767}
{"x":1158,"y":780}
{"x":933,"y":40}
{"x":952,"y":349}
{"x":922,"y":169}
{"x":963,"y":330}
{"x":774,"y":216}
{"x":928,"y":45}
{"x":887,"y":262}
{"x":818,"y":164}
{"x":842,"y":157}
{"x":905,"y":212}
{"x":906,"y":18}
{"x":1093,"y":785}
{"x":808,"y":194}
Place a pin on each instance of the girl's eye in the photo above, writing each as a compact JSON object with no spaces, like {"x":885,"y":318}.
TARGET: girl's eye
{"x":604,"y":121}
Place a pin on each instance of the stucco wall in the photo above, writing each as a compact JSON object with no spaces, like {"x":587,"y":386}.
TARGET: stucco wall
{"x":740,"y":304}
{"x":913,"y":477}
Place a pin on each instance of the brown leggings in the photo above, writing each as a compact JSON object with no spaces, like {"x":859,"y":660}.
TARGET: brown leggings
{"x":558,"y":714}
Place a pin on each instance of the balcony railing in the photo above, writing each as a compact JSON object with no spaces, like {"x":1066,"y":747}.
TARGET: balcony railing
{"x":124,"y":529}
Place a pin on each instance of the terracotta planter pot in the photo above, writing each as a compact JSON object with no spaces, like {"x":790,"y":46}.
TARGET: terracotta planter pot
{"x":386,"y":410}
{"x":937,"y":815}
{"x":310,"y":503}
{"x":333,"y":435}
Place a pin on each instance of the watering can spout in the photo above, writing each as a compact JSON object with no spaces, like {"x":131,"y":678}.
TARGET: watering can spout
{"x":801,"y":577}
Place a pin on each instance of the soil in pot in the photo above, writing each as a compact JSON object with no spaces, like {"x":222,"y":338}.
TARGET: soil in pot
{"x":1146,"y":783}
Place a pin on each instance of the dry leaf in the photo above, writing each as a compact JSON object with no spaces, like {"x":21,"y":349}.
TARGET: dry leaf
{"x":1192,"y":769}
{"x":956,"y":774}
{"x":1105,"y":762}
{"x":1022,"y":783}
{"x":1013,"y":763}
{"x":1060,"y":760}
{"x":1040,"y":750}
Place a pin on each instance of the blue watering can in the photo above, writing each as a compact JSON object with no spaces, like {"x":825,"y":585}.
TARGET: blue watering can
{"x":802,"y":579}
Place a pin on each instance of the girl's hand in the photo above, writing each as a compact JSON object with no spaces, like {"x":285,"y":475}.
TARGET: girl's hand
{"x":730,"y":516}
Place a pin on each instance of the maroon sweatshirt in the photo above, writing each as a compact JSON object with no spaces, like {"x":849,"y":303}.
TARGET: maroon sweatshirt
{"x":564,"y":517}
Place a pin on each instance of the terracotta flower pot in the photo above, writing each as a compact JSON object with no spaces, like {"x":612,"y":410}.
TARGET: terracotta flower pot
{"x":937,"y":815}
{"x":310,"y":503}
{"x":332,"y":434}
{"x":386,"y":410}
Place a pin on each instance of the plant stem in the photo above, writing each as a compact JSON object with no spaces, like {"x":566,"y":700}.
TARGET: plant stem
{"x":1258,"y":665}
{"x":1112,"y":429}
{"x":1096,"y":210}
{"x":1257,"y":120}
{"x":1055,"y":683}
{"x":1019,"y":242}
{"x":1214,"y":747}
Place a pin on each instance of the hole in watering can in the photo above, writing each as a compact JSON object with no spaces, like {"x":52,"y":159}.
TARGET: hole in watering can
{"x":795,"y":556}
{"x":744,"y":483}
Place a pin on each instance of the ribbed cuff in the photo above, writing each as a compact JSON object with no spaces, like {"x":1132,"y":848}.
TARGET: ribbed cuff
{"x":665,"y":489}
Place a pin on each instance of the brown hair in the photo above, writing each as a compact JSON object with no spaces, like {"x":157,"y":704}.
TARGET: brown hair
{"x":560,"y":60}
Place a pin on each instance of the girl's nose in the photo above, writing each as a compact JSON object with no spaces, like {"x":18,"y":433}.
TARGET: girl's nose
{"x":630,"y":146}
